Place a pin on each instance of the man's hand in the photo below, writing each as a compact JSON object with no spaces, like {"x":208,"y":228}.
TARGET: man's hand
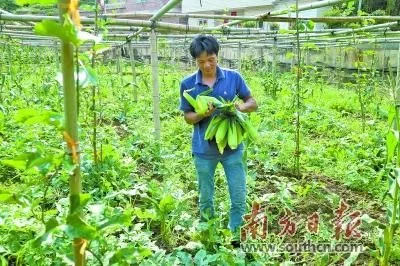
{"x":193,"y":118}
{"x":210,"y":111}
{"x":248,"y":105}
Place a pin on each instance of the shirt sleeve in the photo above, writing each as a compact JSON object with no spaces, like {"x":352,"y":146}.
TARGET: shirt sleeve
{"x":184,"y":104}
{"x":242,"y":90}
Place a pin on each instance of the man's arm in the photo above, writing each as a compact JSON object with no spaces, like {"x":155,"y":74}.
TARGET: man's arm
{"x":249,"y":105}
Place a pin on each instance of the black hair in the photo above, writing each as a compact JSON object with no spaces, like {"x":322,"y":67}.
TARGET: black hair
{"x":203,"y":43}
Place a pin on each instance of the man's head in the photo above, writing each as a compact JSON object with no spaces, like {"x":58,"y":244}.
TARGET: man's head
{"x":205,"y":48}
{"x":204,"y":43}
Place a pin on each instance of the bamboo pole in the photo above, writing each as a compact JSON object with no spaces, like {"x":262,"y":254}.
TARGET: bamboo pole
{"x":4,"y":12}
{"x":309,"y":6}
{"x":94,"y":90}
{"x":239,"y":57}
{"x":156,"y":92}
{"x":115,"y":22}
{"x":10,"y":62}
{"x":181,"y":27}
{"x":133,"y":66}
{"x":171,"y":4}
{"x":298,"y":95}
{"x":56,"y":55}
{"x":71,"y":132}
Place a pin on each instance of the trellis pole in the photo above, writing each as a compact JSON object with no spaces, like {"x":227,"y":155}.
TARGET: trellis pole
{"x":56,"y":54}
{"x":94,"y":90}
{"x":71,"y":133}
{"x":119,"y":69}
{"x":341,"y":60}
{"x":173,"y":56}
{"x":392,"y":227}
{"x":273,"y":66}
{"x":240,"y":56}
{"x":156,"y":90}
{"x":293,"y":57}
{"x":298,"y":95}
{"x":9,"y":61}
{"x":133,"y":67}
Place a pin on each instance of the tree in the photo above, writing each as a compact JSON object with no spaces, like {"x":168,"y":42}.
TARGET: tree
{"x":8,"y":5}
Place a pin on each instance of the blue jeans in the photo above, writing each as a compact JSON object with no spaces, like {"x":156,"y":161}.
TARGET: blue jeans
{"x":236,"y":178}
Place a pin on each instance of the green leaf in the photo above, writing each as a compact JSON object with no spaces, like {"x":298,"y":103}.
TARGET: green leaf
{"x":33,"y":116}
{"x":16,"y":164}
{"x":67,"y":32}
{"x":84,"y":199}
{"x":185,"y":258}
{"x":310,"y":25}
{"x":190,"y":99}
{"x":51,"y":225}
{"x":201,"y":258}
{"x":118,"y":218}
{"x":50,"y":28}
{"x":29,"y":160}
{"x":146,"y":214}
{"x":392,"y":187}
{"x":131,"y":255}
{"x":24,"y":114}
{"x":87,"y":76}
{"x":397,"y":175}
{"x":77,"y":228}
{"x":11,"y":198}
{"x":392,"y":139}
{"x":39,"y":2}
{"x":93,"y":79}
{"x":391,"y":116}
{"x":167,"y":204}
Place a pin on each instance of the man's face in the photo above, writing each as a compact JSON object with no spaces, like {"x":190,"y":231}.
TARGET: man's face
{"x":207,"y":63}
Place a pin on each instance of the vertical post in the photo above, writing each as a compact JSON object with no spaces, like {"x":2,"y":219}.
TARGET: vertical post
{"x":340,"y":67}
{"x":156,"y":93}
{"x":273,"y":70}
{"x":398,"y":78}
{"x":119,"y":69}
{"x":71,"y":132}
{"x":133,"y":66}
{"x":173,"y":56}
{"x":9,"y":60}
{"x":298,"y":93}
{"x":384,"y":60}
{"x":94,"y":89}
{"x":391,"y":228}
{"x":274,"y":53}
{"x":293,"y":58}
{"x":240,"y":56}
{"x":57,"y":59}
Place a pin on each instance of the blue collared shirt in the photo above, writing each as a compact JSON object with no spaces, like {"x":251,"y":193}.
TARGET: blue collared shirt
{"x":228,"y":84}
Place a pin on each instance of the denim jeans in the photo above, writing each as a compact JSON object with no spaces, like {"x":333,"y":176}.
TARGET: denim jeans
{"x":234,"y":170}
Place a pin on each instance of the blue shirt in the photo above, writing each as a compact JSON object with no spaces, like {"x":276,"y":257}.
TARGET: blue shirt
{"x":228,"y":84}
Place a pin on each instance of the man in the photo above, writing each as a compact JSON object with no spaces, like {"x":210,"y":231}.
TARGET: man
{"x":225,"y":83}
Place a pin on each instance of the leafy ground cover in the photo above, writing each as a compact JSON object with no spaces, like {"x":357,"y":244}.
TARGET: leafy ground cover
{"x":140,"y":199}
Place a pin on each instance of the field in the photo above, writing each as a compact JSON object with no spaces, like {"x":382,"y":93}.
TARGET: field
{"x":139,"y":199}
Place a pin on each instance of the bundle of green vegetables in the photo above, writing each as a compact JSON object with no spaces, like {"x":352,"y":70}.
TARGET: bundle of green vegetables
{"x":229,"y":126}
